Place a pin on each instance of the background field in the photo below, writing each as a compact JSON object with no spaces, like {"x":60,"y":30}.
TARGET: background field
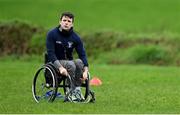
{"x":120,"y":15}
{"x":112,"y":31}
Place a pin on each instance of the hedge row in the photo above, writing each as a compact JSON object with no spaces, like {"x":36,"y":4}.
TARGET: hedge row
{"x":19,"y":38}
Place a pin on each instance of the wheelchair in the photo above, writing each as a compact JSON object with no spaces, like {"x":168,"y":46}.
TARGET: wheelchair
{"x":48,"y":79}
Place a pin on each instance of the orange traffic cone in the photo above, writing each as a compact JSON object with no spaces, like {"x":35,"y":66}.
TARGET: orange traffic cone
{"x":95,"y":81}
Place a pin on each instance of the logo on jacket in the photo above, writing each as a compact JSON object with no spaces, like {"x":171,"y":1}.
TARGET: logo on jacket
{"x":70,"y":44}
{"x":58,"y":42}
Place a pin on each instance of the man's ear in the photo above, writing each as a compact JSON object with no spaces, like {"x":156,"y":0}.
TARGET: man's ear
{"x":59,"y":22}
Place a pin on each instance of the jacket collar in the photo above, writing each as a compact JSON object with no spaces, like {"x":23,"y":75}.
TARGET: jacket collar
{"x":64,"y":32}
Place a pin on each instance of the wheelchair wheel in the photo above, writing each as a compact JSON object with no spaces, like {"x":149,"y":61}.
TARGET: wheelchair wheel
{"x":45,"y":86}
{"x":85,"y":87}
{"x":88,"y":94}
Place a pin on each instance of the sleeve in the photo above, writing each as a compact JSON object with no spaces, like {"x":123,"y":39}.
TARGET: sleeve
{"x":50,"y":46}
{"x":81,"y":52}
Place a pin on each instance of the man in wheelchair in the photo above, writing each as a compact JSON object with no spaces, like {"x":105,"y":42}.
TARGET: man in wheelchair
{"x":60,"y":43}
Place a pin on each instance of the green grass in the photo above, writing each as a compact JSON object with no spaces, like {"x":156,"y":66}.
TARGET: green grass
{"x":119,"y":15}
{"x":125,"y":89}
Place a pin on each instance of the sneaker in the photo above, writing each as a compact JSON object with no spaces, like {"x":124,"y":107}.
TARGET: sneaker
{"x":80,"y":95}
{"x":74,"y":96}
{"x":49,"y":93}
{"x":59,"y":95}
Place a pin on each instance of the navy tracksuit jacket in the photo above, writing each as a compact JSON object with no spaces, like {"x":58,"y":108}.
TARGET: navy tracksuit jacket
{"x":60,"y":45}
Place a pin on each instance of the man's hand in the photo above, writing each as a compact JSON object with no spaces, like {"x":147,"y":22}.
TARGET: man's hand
{"x":85,"y":74}
{"x":63,"y":71}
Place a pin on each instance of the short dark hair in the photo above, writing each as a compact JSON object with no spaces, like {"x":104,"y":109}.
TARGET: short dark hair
{"x":68,"y":14}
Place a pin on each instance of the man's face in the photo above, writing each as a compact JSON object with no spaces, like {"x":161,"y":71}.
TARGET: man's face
{"x":66,"y":23}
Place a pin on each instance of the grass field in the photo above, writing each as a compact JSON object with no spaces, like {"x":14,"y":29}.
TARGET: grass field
{"x":119,"y":15}
{"x":125,"y":89}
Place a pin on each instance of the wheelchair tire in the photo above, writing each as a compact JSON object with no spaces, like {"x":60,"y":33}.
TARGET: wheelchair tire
{"x":45,"y":84}
{"x":87,"y":88}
